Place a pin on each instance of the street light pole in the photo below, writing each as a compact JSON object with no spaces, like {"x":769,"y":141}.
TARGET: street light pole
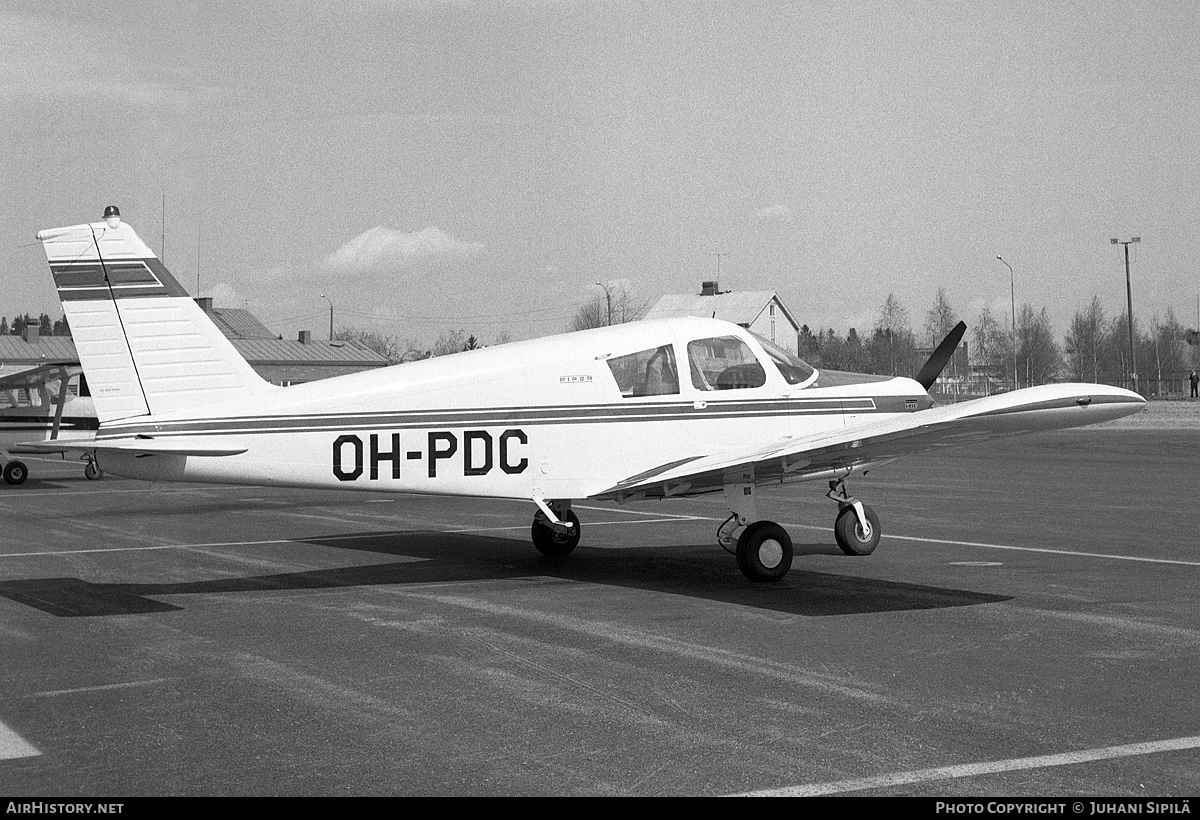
{"x":1133,"y":375}
{"x":1012,"y":292}
{"x":327,"y":299}
{"x":608,"y":298}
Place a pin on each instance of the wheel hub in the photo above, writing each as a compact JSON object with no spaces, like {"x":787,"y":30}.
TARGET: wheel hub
{"x":770,"y":553}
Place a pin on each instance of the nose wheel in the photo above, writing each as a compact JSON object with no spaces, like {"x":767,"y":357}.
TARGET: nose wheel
{"x":852,"y":537}
{"x":856,"y":528}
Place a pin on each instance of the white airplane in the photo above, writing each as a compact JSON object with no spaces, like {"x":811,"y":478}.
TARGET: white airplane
{"x":652,"y":409}
{"x":37,"y":401}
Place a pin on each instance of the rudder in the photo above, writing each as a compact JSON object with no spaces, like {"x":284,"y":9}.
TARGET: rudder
{"x":146,"y":346}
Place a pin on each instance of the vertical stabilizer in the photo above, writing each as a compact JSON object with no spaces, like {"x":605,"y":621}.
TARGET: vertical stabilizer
{"x":144,"y":343}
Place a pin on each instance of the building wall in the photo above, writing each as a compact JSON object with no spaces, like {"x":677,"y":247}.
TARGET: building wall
{"x":784,"y":333}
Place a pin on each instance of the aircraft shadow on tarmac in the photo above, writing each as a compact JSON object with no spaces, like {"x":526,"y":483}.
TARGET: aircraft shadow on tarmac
{"x":697,"y":571}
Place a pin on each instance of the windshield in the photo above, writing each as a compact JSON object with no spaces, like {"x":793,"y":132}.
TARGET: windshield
{"x":794,"y":369}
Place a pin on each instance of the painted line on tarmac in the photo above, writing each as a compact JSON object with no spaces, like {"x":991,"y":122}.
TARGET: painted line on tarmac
{"x":173,"y":547}
{"x":672,"y":520}
{"x":102,"y":688}
{"x":639,"y":512}
{"x":12,"y":745}
{"x":1075,"y":553}
{"x":310,"y":538}
{"x":978,"y":769}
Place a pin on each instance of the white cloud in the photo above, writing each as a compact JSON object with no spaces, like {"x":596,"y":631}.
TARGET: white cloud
{"x":225,"y":296}
{"x":386,"y":250}
{"x":773,"y":213}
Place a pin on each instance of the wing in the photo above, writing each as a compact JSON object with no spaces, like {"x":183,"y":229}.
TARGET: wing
{"x":37,"y":376}
{"x":861,"y":447}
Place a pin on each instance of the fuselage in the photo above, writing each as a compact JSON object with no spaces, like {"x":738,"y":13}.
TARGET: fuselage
{"x":559,"y":417}
{"x":34,"y":417}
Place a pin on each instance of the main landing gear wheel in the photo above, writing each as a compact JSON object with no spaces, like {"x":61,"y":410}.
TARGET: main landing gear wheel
{"x":764,"y":551}
{"x":15,"y":472}
{"x":92,"y":471}
{"x":550,"y":541}
{"x":850,"y":535}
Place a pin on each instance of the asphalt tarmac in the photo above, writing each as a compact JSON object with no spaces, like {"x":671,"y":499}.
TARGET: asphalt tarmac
{"x":1028,"y":627}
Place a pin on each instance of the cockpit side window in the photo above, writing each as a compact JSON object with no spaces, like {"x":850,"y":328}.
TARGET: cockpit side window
{"x":794,"y":369}
{"x":724,"y":363}
{"x":646,"y":373}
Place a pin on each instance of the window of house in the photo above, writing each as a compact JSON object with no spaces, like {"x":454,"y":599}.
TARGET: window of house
{"x":646,"y":373}
{"x":724,"y":363}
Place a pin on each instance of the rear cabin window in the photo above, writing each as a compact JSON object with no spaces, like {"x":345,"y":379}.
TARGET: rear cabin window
{"x":646,"y":373}
{"x":724,"y":363}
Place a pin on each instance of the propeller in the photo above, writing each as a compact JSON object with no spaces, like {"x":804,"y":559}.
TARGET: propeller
{"x":941,"y":357}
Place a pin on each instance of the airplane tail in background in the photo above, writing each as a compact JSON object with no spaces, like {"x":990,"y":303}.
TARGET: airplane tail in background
{"x":146,"y":346}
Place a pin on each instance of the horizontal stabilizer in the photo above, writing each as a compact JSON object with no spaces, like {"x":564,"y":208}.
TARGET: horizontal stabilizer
{"x":133,"y":446}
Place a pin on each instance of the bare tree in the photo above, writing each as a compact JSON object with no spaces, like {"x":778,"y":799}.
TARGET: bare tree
{"x":1168,"y":350}
{"x":892,"y":347}
{"x":390,"y":347}
{"x":990,"y":346}
{"x":1085,"y":341}
{"x":450,"y":341}
{"x":615,"y":306}
{"x":940,"y":320}
{"x":1038,"y":354}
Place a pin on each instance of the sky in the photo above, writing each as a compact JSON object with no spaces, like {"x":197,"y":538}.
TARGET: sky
{"x":426,"y":166}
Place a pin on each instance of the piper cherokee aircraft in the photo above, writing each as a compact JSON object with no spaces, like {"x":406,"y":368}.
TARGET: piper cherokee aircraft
{"x":652,"y":409}
{"x":37,"y":402}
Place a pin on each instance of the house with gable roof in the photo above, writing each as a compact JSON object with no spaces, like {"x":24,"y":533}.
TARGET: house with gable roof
{"x":759,"y":311}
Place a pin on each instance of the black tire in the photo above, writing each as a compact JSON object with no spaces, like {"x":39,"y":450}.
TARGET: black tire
{"x":15,"y":472}
{"x":553,"y":544}
{"x":850,"y":537}
{"x":764,"y":552}
{"x":92,"y":471}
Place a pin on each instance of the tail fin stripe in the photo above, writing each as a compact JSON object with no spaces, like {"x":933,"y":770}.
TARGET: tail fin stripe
{"x":132,"y":359}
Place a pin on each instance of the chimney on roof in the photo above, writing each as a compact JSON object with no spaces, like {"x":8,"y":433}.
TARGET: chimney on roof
{"x":305,"y":337}
{"x":205,"y":303}
{"x":709,"y":288}
{"x":31,"y":334}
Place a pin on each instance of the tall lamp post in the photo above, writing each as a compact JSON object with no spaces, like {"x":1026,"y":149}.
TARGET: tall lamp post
{"x":327,"y":299}
{"x":1129,"y":305}
{"x":1012,"y":292}
{"x":608,"y":298}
